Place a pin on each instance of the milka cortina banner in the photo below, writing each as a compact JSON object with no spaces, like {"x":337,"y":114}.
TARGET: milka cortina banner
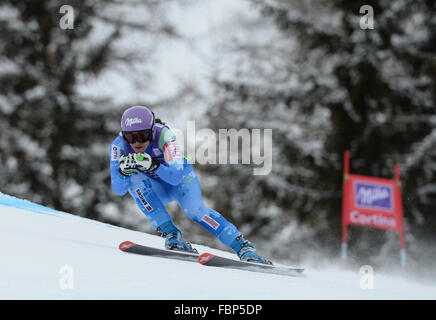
{"x":373,"y":202}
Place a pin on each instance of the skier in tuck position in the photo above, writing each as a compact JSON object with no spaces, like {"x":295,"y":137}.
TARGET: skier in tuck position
{"x":146,"y":161}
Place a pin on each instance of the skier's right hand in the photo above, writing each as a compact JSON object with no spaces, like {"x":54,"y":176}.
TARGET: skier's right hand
{"x":144,"y":162}
{"x":127,"y":165}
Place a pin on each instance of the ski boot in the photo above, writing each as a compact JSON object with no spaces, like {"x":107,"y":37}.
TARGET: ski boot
{"x":174,"y":239}
{"x":246,"y":251}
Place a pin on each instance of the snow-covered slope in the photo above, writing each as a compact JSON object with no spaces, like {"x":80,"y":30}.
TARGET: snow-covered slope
{"x":47,"y":254}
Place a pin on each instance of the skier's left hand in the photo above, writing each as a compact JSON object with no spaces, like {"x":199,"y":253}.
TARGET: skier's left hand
{"x":127,"y":165}
{"x":144,"y":162}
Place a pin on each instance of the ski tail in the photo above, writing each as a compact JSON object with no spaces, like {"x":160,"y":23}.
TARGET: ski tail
{"x":209,"y":259}
{"x":131,"y":247}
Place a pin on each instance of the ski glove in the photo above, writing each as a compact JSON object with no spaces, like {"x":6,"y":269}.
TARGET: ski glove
{"x":127,"y":165}
{"x":144,"y":162}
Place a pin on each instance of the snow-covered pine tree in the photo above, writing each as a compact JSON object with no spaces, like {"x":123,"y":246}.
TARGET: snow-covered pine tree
{"x":55,"y":139}
{"x":309,"y":71}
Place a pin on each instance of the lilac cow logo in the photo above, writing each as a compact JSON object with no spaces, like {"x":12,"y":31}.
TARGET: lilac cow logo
{"x":374,"y":196}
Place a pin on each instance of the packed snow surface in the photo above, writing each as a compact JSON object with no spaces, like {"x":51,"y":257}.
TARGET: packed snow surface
{"x":48,"y":254}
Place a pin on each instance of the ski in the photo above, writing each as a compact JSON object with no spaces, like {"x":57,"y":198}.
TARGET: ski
{"x":208,"y":259}
{"x":131,"y":247}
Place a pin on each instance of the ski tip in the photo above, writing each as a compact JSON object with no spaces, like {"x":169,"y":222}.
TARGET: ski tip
{"x":126,"y":245}
{"x":205,"y":257}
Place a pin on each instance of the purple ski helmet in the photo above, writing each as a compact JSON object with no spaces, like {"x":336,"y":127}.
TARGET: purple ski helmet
{"x":138,"y":118}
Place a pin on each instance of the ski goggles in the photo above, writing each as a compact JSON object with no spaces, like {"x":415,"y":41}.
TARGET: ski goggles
{"x":140,"y":136}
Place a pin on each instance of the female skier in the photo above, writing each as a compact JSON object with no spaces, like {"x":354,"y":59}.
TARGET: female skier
{"x":146,"y":161}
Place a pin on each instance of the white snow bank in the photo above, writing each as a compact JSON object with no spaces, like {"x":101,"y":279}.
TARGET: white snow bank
{"x":48,"y":254}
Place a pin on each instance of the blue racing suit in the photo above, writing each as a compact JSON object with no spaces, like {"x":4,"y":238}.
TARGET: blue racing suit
{"x":173,"y":180}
